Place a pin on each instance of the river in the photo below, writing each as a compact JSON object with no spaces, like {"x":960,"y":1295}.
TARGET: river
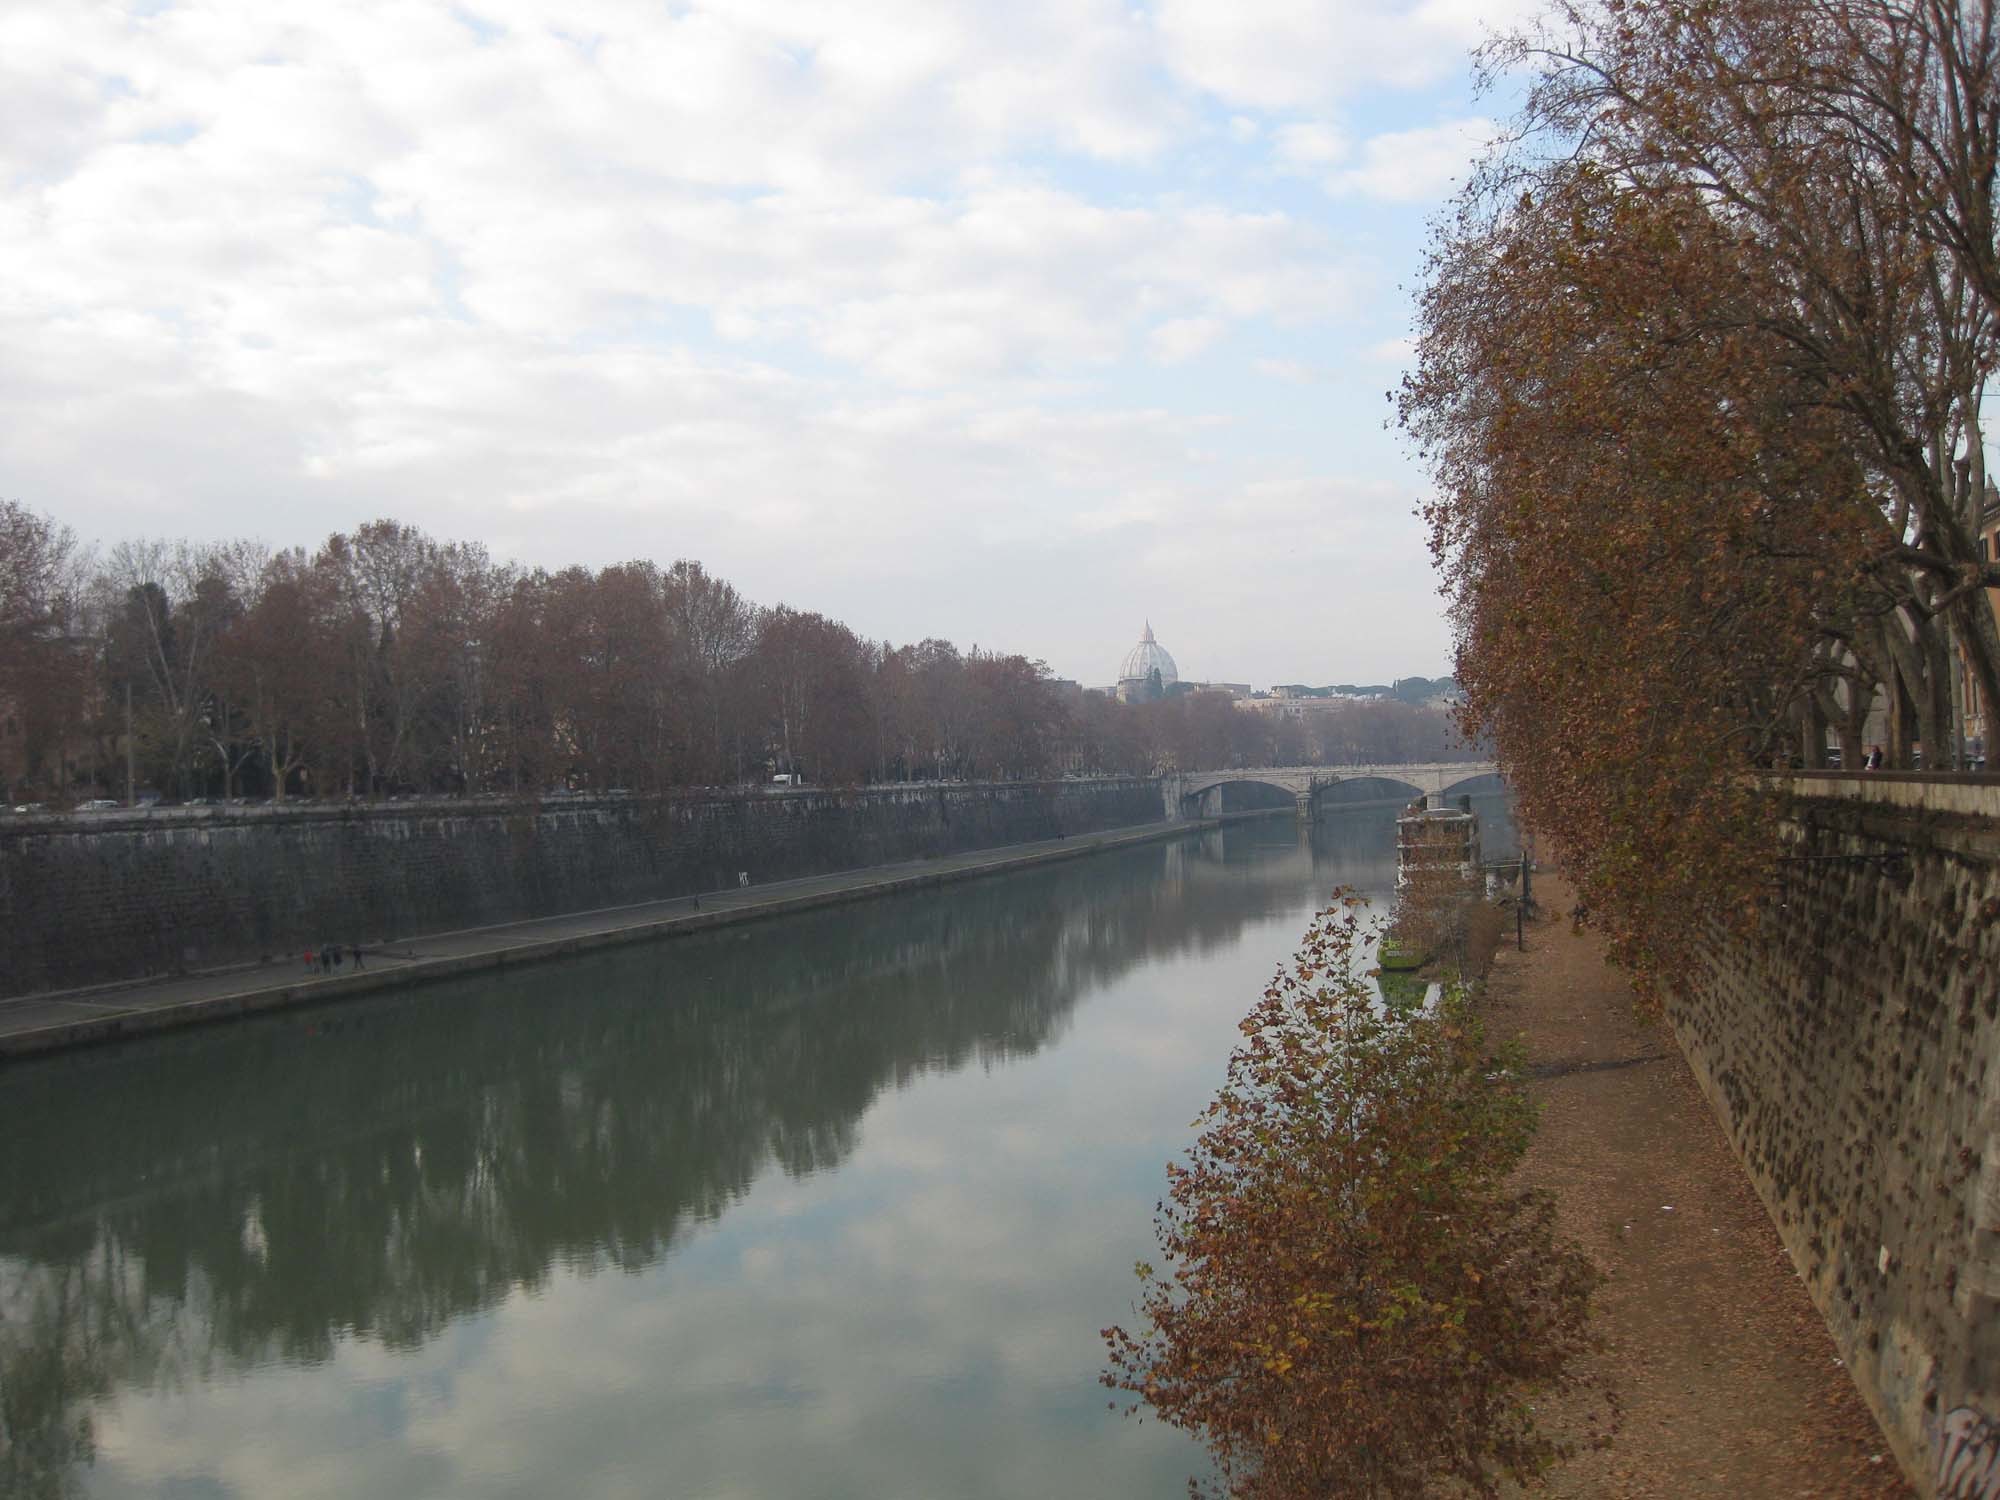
{"x":832,"y":1205}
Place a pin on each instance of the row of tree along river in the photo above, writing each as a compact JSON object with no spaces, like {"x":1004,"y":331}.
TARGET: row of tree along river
{"x":387,"y":662}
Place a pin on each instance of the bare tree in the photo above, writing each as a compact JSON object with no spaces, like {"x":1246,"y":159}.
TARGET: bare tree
{"x":43,"y":664}
{"x":711,"y":628}
{"x":275,"y":663}
{"x":167,"y":605}
{"x":375,"y":577}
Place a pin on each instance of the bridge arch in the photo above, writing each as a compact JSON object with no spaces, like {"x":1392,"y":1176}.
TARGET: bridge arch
{"x":1368,"y":791}
{"x":1238,"y":794}
{"x":1485,"y":784}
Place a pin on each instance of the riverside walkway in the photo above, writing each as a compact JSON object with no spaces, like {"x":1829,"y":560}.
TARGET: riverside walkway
{"x":54,"y":1020}
{"x":1731,"y":1387}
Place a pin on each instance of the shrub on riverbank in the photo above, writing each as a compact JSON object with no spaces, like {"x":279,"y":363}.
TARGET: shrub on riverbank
{"x":1356,"y":1298}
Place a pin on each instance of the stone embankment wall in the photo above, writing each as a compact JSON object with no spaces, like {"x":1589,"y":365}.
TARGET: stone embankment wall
{"x":103,"y":897}
{"x":1853,"y":1055}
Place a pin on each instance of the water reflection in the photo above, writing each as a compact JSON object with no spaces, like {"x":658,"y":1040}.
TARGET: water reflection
{"x":180,"y":1213}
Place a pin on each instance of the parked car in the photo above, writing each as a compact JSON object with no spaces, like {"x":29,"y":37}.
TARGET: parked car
{"x":97,"y":804}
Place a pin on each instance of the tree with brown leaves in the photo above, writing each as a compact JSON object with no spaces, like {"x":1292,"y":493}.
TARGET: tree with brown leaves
{"x":1701,"y":395}
{"x":1357,"y":1301}
{"x":43,"y":672}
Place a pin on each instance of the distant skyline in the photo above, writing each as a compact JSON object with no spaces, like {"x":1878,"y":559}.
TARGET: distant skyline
{"x":1010,"y":324}
{"x":1108,"y":677}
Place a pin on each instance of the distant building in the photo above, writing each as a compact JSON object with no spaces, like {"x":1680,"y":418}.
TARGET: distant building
{"x":1278,"y":708}
{"x":1147,"y":673}
{"x":1265,"y":703}
{"x":1312,"y":705}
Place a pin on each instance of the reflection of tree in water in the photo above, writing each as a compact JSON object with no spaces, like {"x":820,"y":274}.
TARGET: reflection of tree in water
{"x":53,"y":1366}
{"x":70,"y":1329}
{"x":383,"y":1168}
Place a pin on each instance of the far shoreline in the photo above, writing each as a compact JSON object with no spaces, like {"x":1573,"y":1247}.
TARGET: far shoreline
{"x":39,"y":1025}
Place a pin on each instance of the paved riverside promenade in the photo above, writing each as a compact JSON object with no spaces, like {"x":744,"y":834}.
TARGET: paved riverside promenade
{"x":73,"y":1018}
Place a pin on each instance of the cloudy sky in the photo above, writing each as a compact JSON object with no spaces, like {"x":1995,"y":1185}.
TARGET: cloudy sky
{"x":1012,"y":321}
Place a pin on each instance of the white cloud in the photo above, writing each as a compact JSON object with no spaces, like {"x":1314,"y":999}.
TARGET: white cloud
{"x":1292,"y":371}
{"x":1310,"y":145}
{"x":755,"y":279}
{"x":398,"y":170}
{"x":1305,"y":54}
{"x":1183,"y":338}
{"x":1417,"y":166}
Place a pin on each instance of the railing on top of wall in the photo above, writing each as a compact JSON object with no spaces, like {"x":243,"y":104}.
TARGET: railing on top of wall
{"x":1957,"y":794}
{"x":1941,"y":778}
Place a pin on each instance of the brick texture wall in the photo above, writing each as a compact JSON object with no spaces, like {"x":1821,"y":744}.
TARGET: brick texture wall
{"x":105,"y":897}
{"x":1852,"y":1053}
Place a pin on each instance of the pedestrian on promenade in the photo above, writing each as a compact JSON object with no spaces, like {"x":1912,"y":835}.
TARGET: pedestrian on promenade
{"x":1874,"y":760}
{"x":351,"y":948}
{"x":325,"y":959}
{"x":312,"y":960}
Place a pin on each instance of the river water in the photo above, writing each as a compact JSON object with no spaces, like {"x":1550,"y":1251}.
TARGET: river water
{"x":828,"y":1206}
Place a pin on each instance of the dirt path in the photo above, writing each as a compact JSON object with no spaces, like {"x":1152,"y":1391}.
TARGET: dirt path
{"x":1730,"y":1383}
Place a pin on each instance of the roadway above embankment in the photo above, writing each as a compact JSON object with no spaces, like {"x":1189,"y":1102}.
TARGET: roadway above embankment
{"x":56,"y":1020}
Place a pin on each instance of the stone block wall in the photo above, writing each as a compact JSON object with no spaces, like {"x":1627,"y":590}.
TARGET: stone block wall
{"x":1852,"y":1052}
{"x":92,"y":898}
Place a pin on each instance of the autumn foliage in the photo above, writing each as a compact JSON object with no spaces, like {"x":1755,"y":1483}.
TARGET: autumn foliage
{"x":1702,"y":356}
{"x":1356,"y":1299}
{"x":386,"y":661}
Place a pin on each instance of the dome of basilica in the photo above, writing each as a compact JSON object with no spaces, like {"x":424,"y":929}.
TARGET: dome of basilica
{"x":1144,"y":657}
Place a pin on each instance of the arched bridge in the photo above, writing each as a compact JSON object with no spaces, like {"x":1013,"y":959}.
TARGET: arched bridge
{"x":1194,"y":794}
